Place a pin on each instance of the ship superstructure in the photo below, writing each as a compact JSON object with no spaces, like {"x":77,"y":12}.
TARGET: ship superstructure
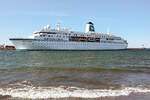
{"x":64,"y":39}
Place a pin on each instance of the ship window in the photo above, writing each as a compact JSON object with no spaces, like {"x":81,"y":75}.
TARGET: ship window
{"x":82,"y":35}
{"x":75,"y":34}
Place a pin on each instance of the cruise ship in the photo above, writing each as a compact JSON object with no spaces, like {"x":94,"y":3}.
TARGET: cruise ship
{"x":65,"y":39}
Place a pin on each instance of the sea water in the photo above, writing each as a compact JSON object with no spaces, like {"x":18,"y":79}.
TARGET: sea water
{"x":83,"y":74}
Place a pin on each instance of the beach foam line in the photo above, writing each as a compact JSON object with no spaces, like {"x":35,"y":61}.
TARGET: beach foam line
{"x":63,"y":92}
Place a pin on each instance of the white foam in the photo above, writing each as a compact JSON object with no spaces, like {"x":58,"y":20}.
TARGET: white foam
{"x":61,"y":92}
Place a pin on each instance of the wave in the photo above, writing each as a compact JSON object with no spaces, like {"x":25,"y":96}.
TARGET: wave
{"x":30,"y":92}
{"x":123,"y":69}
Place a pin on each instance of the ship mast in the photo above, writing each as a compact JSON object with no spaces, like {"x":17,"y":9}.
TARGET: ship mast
{"x":58,"y":25}
{"x":108,"y":31}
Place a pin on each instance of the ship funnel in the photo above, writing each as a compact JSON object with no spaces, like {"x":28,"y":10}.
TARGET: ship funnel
{"x":89,"y":27}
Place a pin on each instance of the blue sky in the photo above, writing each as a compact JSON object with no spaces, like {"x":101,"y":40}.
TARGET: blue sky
{"x":129,"y":19}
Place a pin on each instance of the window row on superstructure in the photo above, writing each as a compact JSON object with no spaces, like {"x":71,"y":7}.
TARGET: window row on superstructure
{"x":80,"y":35}
{"x":84,"y":39}
{"x":112,"y":42}
{"x":76,"y":36}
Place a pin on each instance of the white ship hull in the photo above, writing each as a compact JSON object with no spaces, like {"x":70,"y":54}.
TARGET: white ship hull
{"x":31,"y":44}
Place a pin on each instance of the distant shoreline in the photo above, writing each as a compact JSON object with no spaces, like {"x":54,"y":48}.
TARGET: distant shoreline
{"x":7,"y":47}
{"x":136,"y":48}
